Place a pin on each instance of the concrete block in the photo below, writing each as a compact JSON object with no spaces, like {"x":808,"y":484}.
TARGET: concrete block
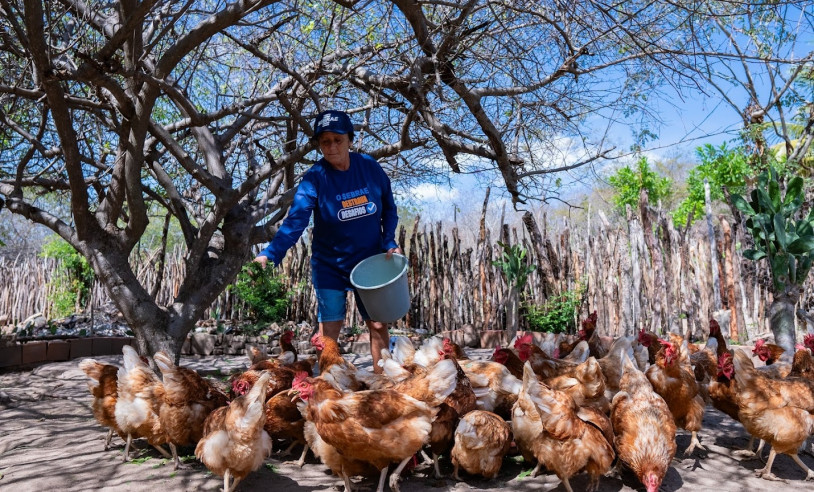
{"x":58,"y":350}
{"x":360,"y":347}
{"x":11,"y":356}
{"x":116,"y":344}
{"x":34,"y":352}
{"x":81,"y":347}
{"x":492,"y":338}
{"x":102,"y":346}
{"x":186,"y":348}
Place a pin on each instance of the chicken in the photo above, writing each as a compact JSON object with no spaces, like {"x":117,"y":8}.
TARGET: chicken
{"x":375,"y":426}
{"x":808,"y":342}
{"x":586,"y":386}
{"x":645,"y":433}
{"x":188,"y":400}
{"x":429,"y":352}
{"x":611,"y":365}
{"x":803,"y":365}
{"x":550,"y":344}
{"x":715,"y":332}
{"x":481,"y":441}
{"x":722,"y":390}
{"x":284,"y":421}
{"x":598,"y":346}
{"x":343,"y":372}
{"x":767,"y":352}
{"x":527,"y":427}
{"x":280,"y":378}
{"x":565,"y":346}
{"x":452,"y":349}
{"x":403,"y":350}
{"x":652,"y":342}
{"x":704,"y":363}
{"x":509,"y":358}
{"x":103,"y":387}
{"x":259,"y":359}
{"x":234,"y":442}
{"x":140,"y":395}
{"x":571,"y":440}
{"x":672,"y":378}
{"x":543,"y":365}
{"x":286,"y":344}
{"x":767,"y":411}
{"x":494,"y":386}
{"x":461,"y":401}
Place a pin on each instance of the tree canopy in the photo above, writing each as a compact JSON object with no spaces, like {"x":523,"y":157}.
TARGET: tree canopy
{"x":201,"y":111}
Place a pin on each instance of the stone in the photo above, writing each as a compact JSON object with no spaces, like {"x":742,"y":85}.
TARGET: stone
{"x":202,"y":344}
{"x":492,"y":338}
{"x":11,"y":356}
{"x":471,"y":337}
{"x":102,"y":346}
{"x":81,"y":347}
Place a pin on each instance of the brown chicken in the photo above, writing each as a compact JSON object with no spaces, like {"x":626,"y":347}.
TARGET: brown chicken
{"x":775,"y":411}
{"x":452,"y":349}
{"x":767,"y":352}
{"x":803,"y":365}
{"x":571,"y":440}
{"x":375,"y":426}
{"x":672,"y":378}
{"x":586,"y":386}
{"x":543,"y":365}
{"x":715,"y":332}
{"x":234,"y":442}
{"x":494,"y":386}
{"x":644,"y":428}
{"x":280,"y":378}
{"x":722,"y":390}
{"x":509,"y":358}
{"x":482,"y":439}
{"x":284,"y":421}
{"x":598,"y":346}
{"x":103,"y":387}
{"x":343,"y":372}
{"x":460,"y":402}
{"x":140,"y":395}
{"x":188,"y":400}
{"x":611,"y":365}
{"x":652,"y":342}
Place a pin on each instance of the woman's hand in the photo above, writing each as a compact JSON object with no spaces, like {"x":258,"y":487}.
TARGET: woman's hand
{"x":391,"y":251}
{"x":262,"y":260}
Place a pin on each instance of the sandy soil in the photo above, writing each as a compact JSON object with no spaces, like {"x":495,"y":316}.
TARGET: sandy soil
{"x":49,"y":440}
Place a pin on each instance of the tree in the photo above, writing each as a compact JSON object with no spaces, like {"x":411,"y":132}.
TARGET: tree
{"x":628,"y":184}
{"x":515,"y":268}
{"x":202,"y":110}
{"x":786,"y":242}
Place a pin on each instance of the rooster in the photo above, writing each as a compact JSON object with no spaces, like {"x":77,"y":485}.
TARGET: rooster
{"x":652,"y":342}
{"x":767,"y":352}
{"x":188,"y":400}
{"x":645,"y":431}
{"x":374,"y":426}
{"x":777,"y":411}
{"x":234,"y":442}
{"x":140,"y":395}
{"x":104,"y":390}
{"x":481,"y":441}
{"x":672,"y":378}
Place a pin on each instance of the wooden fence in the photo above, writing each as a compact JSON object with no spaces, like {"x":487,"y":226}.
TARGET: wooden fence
{"x":643,"y":273}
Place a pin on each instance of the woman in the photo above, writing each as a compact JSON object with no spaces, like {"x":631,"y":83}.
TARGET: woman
{"x":354,"y":218}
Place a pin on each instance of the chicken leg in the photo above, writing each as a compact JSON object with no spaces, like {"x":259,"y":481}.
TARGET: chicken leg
{"x":809,"y":472}
{"x":437,"y":466}
{"x":108,"y":439}
{"x":766,"y":472}
{"x":396,"y":475}
{"x":694,"y":443}
{"x":235,"y":481}
{"x":300,"y":462}
{"x":382,"y":477}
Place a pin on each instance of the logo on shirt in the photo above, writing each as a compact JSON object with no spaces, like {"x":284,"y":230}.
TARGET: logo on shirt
{"x":355,"y":204}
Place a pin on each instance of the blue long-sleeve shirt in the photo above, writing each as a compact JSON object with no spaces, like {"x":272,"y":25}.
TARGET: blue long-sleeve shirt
{"x":355,"y":217}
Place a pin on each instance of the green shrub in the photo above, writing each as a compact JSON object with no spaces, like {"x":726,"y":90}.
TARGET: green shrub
{"x":627,"y":184}
{"x":264,"y":293}
{"x":557,"y":314}
{"x":73,"y":280}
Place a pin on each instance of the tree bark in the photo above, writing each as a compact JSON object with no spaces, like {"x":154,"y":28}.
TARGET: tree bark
{"x":781,"y":316}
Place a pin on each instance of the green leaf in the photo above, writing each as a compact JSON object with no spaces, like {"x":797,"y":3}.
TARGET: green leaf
{"x":794,"y":190}
{"x":525,"y":473}
{"x":801,"y":245}
{"x":780,"y":230}
{"x":804,"y":228}
{"x":754,"y":255}
{"x":803,"y":267}
{"x":741,"y":204}
{"x":765,"y":202}
{"x":774,"y":195}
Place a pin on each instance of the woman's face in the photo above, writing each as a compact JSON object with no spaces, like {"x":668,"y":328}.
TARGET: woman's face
{"x":335,"y":147}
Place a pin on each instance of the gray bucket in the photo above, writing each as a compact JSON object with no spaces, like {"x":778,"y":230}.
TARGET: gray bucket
{"x":382,"y":286}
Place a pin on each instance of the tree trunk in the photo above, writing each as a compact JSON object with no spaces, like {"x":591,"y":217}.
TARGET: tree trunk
{"x":781,"y":318}
{"x":512,"y":311}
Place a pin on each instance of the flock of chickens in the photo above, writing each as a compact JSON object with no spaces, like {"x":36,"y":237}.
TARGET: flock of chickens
{"x":570,"y":404}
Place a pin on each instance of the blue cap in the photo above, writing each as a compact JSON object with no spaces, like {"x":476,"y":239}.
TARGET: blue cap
{"x":333,"y":121}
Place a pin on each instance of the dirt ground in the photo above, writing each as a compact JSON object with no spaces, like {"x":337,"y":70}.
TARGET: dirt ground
{"x":49,"y":440}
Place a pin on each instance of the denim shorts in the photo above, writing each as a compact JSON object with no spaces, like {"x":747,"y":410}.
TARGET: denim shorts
{"x":331,"y":305}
